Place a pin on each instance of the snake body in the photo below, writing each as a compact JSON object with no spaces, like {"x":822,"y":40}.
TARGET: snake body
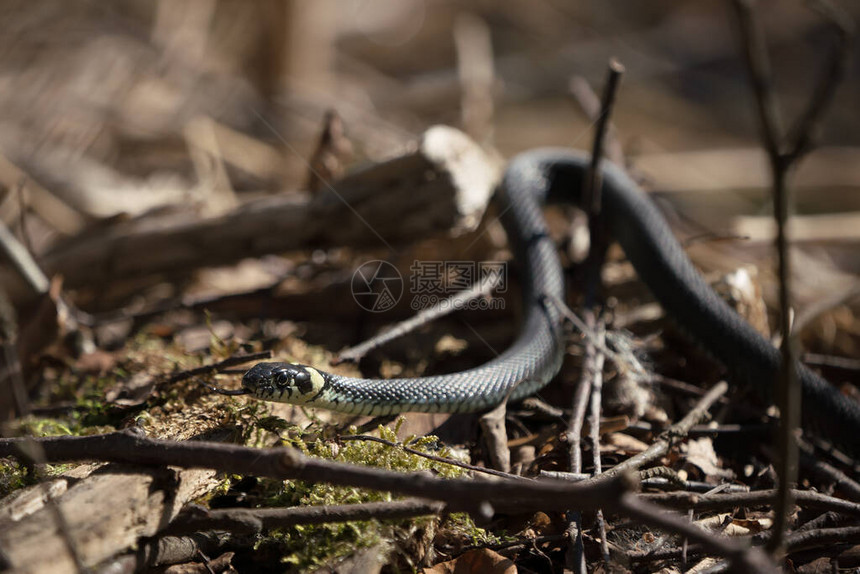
{"x":531,"y":180}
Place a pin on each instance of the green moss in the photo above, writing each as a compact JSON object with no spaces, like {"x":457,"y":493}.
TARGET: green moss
{"x":53,"y":470}
{"x":13,"y":476}
{"x":40,"y":427}
{"x":308,"y":547}
{"x":460,"y":526}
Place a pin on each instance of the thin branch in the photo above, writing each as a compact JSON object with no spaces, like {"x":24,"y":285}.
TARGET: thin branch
{"x":827,"y":473}
{"x":444,"y":307}
{"x":783,"y":153}
{"x":663,"y":553}
{"x":435,"y":458}
{"x":788,"y":386}
{"x":670,"y":436}
{"x":823,"y":537}
{"x":718,"y":502}
{"x":800,"y":139}
{"x":495,"y":435}
{"x":21,"y":195}
{"x":831,"y":362}
{"x":23,"y":263}
{"x":591,"y":107}
{"x":521,"y":543}
{"x":758,"y":64}
{"x":577,"y":416}
{"x":591,"y":188}
{"x":829,"y":519}
{"x":591,"y":375}
{"x":594,"y":430}
{"x":217,"y":367}
{"x":651,"y":478}
{"x":625,"y":361}
{"x":260,"y":519}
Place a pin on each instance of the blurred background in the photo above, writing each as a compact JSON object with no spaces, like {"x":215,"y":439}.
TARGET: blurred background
{"x":110,"y":110}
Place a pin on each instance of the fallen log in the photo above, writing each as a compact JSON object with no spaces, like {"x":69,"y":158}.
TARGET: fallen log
{"x":445,"y":184}
{"x":105,"y":514}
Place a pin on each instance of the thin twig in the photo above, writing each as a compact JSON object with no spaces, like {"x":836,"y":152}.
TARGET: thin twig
{"x":822,"y":537}
{"x":649,"y":479}
{"x":726,"y":501}
{"x":788,"y":385}
{"x":591,"y":107}
{"x":23,"y":263}
{"x":819,"y":360}
{"x":713,"y":431}
{"x":671,"y":435}
{"x":435,"y":458}
{"x":783,"y":152}
{"x":261,"y":519}
{"x":454,"y":303}
{"x":829,"y":519}
{"x":591,"y":377}
{"x":827,"y":473}
{"x":578,"y":409}
{"x":663,"y":553}
{"x":521,"y":543}
{"x":758,"y":64}
{"x":594,"y":422}
{"x":591,"y":188}
{"x":20,"y":192}
{"x":582,"y":327}
{"x":217,"y":367}
{"x":800,"y":139}
{"x":493,"y":428}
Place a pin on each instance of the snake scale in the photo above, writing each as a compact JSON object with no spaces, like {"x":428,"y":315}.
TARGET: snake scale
{"x":531,"y":180}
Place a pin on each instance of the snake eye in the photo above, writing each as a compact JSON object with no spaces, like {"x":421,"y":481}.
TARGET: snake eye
{"x":281,"y":378}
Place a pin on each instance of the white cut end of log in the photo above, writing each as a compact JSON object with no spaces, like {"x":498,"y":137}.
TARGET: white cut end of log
{"x":474,"y":175}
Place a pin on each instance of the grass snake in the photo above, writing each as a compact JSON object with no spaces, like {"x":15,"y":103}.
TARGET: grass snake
{"x":531,"y":180}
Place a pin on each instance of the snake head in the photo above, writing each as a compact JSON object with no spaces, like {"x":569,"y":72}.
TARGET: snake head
{"x":284,"y":382}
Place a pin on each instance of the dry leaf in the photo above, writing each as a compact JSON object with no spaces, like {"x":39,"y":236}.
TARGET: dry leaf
{"x":624,"y":443}
{"x":481,"y":561}
{"x":700,"y":453}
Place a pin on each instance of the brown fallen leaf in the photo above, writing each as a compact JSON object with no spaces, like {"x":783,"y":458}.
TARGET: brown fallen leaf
{"x":473,"y":562}
{"x":700,"y":453}
{"x":622,"y":443}
{"x":220,"y":565}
